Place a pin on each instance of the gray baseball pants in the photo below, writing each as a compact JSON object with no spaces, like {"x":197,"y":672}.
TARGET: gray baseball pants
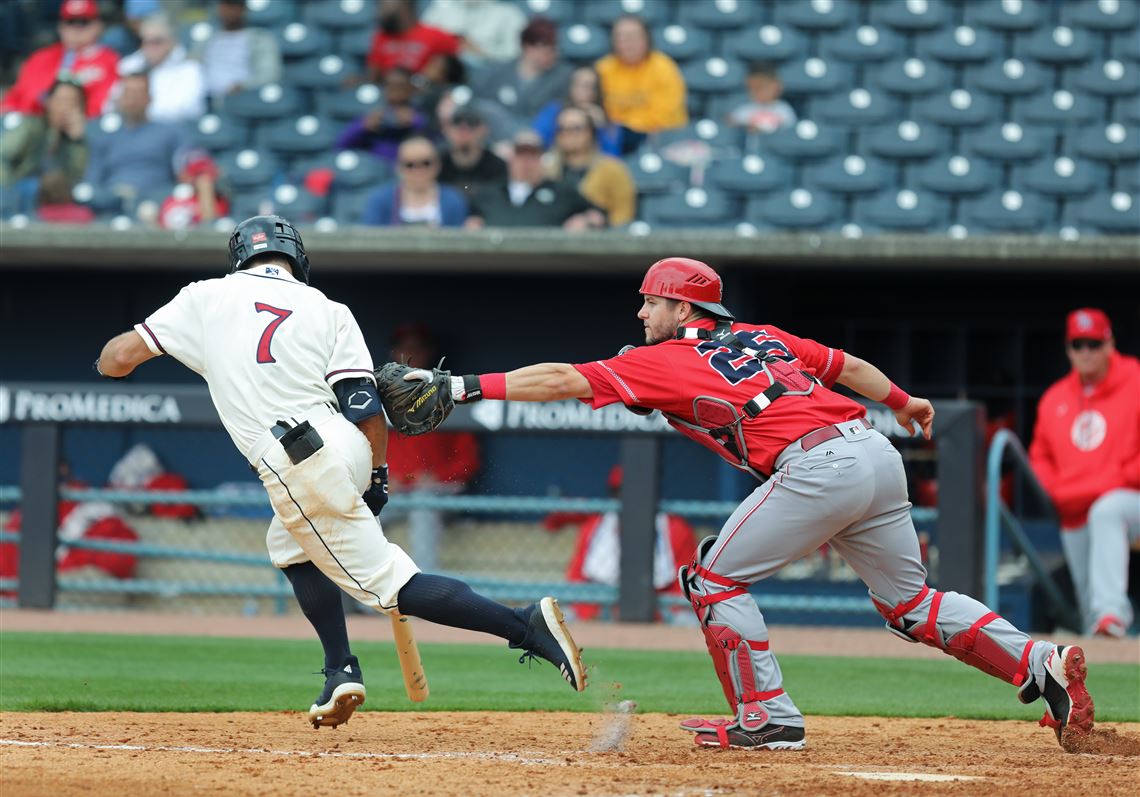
{"x":849,"y":492}
{"x":1097,"y":554}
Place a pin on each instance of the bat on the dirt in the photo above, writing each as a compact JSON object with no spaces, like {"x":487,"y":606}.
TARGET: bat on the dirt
{"x":415,"y":680}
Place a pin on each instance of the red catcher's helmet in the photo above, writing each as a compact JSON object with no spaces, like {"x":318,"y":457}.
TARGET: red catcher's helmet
{"x":686,"y":279}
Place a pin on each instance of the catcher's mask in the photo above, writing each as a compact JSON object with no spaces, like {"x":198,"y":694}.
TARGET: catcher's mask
{"x":259,"y":235}
{"x":688,"y":280}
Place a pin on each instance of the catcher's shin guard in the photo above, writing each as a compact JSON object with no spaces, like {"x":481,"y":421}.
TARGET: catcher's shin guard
{"x":731,"y":653}
{"x":917,"y":620}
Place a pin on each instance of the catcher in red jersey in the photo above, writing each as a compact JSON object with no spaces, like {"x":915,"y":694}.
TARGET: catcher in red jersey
{"x":760,"y":397}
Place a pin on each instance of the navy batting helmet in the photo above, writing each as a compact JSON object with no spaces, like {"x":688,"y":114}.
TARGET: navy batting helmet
{"x":264,"y":234}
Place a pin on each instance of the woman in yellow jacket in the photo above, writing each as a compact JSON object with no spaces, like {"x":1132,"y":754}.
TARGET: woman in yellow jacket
{"x":642,"y":88}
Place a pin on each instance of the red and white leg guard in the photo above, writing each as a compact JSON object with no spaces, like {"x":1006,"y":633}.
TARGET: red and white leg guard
{"x":917,"y":620}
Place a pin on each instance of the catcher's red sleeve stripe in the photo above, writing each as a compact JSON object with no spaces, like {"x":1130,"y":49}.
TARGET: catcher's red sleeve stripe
{"x":153,"y":337}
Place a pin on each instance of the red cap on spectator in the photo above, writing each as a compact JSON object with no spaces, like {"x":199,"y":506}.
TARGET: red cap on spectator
{"x":79,"y":9}
{"x":1088,"y":323}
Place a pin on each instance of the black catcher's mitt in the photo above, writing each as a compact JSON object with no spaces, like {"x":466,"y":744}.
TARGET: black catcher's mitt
{"x":414,"y":406}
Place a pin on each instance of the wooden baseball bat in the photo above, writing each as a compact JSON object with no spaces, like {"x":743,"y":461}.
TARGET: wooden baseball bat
{"x":415,"y":680}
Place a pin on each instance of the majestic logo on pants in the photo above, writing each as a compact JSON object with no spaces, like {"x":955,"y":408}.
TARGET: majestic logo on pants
{"x":1088,"y":430}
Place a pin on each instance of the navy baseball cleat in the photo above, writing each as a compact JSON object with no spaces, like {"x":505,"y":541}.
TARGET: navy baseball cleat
{"x":770,"y":737}
{"x":548,"y":637}
{"x":343,"y":692}
{"x":1068,"y":703}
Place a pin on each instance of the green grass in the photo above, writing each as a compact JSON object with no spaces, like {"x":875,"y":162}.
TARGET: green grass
{"x":98,"y":672}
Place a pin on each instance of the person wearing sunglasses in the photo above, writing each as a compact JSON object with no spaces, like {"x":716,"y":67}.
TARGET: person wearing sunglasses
{"x":1086,"y":453}
{"x":78,"y":54}
{"x":416,"y":197}
{"x":468,"y":163}
{"x":602,"y":179}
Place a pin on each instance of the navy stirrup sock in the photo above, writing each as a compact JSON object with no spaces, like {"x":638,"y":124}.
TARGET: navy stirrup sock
{"x":448,"y":601}
{"x":320,"y":600}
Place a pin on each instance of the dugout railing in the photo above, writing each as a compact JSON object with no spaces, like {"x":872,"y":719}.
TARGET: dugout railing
{"x":44,"y":411}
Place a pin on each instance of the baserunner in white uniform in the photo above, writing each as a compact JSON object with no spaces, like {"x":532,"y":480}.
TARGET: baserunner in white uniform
{"x":292,"y":380}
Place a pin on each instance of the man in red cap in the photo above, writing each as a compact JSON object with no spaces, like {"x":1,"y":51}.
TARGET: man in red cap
{"x":1086,"y":452}
{"x":761,"y":398}
{"x":78,"y":55}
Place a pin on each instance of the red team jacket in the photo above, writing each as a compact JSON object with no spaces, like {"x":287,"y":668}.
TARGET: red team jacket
{"x":412,"y":49}
{"x":95,"y":67}
{"x":669,"y":375}
{"x":1088,"y":443}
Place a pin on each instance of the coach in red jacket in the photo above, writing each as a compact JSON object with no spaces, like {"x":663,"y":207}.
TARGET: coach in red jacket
{"x":1086,"y":452}
{"x":78,"y":53}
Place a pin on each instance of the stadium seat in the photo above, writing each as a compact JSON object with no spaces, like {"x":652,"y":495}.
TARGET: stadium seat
{"x":815,"y":15}
{"x":683,"y":42}
{"x":849,"y":174}
{"x":1006,"y":211}
{"x":718,"y":14}
{"x":1127,"y":178}
{"x":910,"y":15}
{"x":323,"y":72}
{"x":815,"y":76}
{"x":652,"y":174}
{"x":304,"y":136}
{"x":269,"y":13}
{"x":907,"y":140}
{"x":1111,"y":143}
{"x":580,"y":42}
{"x":911,"y":77}
{"x":767,"y":43}
{"x":795,"y":209}
{"x":351,"y":170}
{"x":805,"y":140}
{"x":1060,"y":177}
{"x":554,"y":10}
{"x":695,"y":207}
{"x":957,"y":108}
{"x":249,"y":170}
{"x":348,"y":104}
{"x":298,"y":40}
{"x":341,"y":14}
{"x":605,"y":12}
{"x":196,"y":34}
{"x":1113,"y":213}
{"x":347,"y":205}
{"x":1059,"y":45}
{"x":355,"y":43}
{"x":1061,"y":108}
{"x":713,"y":75}
{"x":1011,"y":77}
{"x":1128,"y":111}
{"x":957,"y":175}
{"x":290,"y":201}
{"x":1126,"y":46}
{"x":715,"y":135}
{"x":856,"y":108}
{"x":904,"y":210}
{"x":750,"y":175}
{"x":217,"y":133}
{"x":719,"y":106}
{"x":1101,"y":15}
{"x":961,"y":45}
{"x":1005,"y":15}
{"x":1008,"y":142}
{"x":271,"y":101}
{"x":1110,"y":78}
{"x":865,"y":43}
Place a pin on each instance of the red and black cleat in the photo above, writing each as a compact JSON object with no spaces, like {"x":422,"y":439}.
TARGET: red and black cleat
{"x":770,"y":737}
{"x":1068,"y":704}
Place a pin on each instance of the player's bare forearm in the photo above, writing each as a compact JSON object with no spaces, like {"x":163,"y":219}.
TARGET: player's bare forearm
{"x":376,"y":430}
{"x":864,"y":378}
{"x":123,"y":353}
{"x":547,"y":382}
{"x":868,"y":381}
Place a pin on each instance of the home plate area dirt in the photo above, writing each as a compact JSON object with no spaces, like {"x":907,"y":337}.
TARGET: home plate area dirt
{"x":537,"y":753}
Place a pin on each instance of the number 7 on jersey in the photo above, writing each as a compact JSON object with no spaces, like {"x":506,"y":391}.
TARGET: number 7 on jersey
{"x":264,"y":355}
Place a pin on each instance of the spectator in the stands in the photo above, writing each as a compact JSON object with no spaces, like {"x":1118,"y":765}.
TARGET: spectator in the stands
{"x":501,"y":125}
{"x":527,"y":83}
{"x":55,"y":203}
{"x":404,"y":42}
{"x":235,"y":57}
{"x":642,"y":88}
{"x":602,"y":179}
{"x":467,"y":163}
{"x":1086,"y":454}
{"x":765,"y":111}
{"x":528,"y":198}
{"x":139,"y":158}
{"x":584,"y":93}
{"x":416,"y":197}
{"x":489,"y":28}
{"x":442,"y":74}
{"x":78,"y":53}
{"x":196,"y":199}
{"x":53,"y":143}
{"x":380,"y":131}
{"x":124,"y":36}
{"x":177,"y":83}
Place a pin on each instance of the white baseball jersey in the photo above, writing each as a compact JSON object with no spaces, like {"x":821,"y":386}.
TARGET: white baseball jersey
{"x":268,"y":346}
